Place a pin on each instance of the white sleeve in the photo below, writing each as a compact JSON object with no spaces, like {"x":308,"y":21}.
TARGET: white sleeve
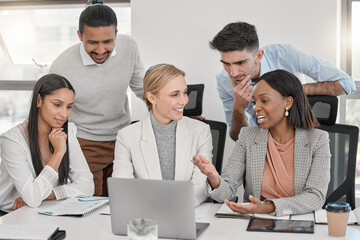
{"x":123,"y":167}
{"x":33,"y":190}
{"x":199,"y":179}
{"x":136,"y":82}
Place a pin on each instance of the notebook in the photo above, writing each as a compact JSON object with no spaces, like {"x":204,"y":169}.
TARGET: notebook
{"x":354,"y":216}
{"x":225,"y":212}
{"x":170,"y":203}
{"x":38,"y":232}
{"x":76,"y":206}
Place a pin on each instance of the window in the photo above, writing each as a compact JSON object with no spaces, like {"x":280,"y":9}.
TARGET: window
{"x":31,"y":37}
{"x":350,"y":105}
{"x":355,"y":30}
{"x":353,"y":118}
{"x":353,"y":101}
{"x":14,"y":108}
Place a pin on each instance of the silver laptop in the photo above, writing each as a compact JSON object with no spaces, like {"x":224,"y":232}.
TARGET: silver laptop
{"x":170,"y":203}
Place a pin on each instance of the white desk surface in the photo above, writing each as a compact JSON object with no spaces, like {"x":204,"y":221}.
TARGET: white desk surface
{"x":97,"y":226}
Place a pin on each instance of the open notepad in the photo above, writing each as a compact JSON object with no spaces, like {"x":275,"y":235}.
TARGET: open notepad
{"x":76,"y":206}
{"x":354,"y":216}
{"x":225,"y":211}
{"x":38,"y":232}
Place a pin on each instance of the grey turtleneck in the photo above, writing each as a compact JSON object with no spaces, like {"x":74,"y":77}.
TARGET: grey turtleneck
{"x":165,"y":136}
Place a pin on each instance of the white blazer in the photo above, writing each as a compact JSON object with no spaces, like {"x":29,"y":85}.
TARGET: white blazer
{"x":136,"y":154}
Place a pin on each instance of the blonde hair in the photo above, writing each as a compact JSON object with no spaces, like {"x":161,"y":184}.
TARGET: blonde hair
{"x":157,"y":77}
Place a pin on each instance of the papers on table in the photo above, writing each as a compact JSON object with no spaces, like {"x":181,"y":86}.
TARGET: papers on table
{"x":39,"y":232}
{"x":225,"y":211}
{"x":202,"y":211}
{"x":105,"y":210}
{"x":306,"y":216}
{"x":76,"y":206}
{"x":354,"y":216}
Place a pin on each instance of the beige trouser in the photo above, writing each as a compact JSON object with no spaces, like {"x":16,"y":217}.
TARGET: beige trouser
{"x":100,"y":156}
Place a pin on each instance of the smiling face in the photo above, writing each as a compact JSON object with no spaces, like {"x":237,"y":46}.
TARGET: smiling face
{"x":99,"y":42}
{"x":269,"y":106}
{"x":238,"y":64}
{"x":55,"y":109}
{"x":169,"y":102}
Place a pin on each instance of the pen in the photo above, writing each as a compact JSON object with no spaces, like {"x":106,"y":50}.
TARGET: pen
{"x":92,"y":200}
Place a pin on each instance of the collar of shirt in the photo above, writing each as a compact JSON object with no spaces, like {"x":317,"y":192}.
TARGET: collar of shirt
{"x":87,"y":60}
{"x":264,"y":65}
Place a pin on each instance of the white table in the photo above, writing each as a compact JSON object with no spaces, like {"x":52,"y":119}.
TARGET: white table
{"x":97,"y":226}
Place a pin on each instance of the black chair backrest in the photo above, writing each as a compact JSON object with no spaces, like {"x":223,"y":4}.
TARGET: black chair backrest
{"x":218,"y":133}
{"x":218,"y":129}
{"x":324,"y":107}
{"x":343,"y":148}
{"x":194,"y":106}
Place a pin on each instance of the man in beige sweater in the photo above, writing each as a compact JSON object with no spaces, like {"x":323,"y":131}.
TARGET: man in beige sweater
{"x":101,"y":68}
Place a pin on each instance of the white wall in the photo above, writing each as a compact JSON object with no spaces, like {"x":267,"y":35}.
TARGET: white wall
{"x":178,"y":32}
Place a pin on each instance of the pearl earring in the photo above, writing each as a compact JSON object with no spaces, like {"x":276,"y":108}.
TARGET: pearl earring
{"x":286,"y":112}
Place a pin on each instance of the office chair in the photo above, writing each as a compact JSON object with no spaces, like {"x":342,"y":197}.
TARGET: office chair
{"x":218,"y":134}
{"x":324,"y":107}
{"x":194,"y":106}
{"x":343,"y":148}
{"x":218,"y":129}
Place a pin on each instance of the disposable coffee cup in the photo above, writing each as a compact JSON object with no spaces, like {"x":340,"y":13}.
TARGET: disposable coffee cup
{"x":337,"y":217}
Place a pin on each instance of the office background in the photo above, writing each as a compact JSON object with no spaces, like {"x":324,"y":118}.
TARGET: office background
{"x":178,"y":32}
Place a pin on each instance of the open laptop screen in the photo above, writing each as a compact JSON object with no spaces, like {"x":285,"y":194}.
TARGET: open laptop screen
{"x":170,"y":203}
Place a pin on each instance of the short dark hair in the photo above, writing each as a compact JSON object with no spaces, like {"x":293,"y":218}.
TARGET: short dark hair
{"x":46,"y":85}
{"x":236,"y":36}
{"x":97,"y":14}
{"x":287,"y":84}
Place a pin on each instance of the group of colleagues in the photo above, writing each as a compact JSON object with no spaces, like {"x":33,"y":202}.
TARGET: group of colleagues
{"x":282,"y":158}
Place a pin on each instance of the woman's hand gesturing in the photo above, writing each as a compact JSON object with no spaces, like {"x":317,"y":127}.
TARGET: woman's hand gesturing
{"x":208,"y":169}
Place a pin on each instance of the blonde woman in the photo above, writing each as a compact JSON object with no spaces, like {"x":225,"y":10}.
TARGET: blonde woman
{"x":162,"y":145}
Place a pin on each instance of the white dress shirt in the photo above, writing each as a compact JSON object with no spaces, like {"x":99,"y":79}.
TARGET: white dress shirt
{"x":18,"y":177}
